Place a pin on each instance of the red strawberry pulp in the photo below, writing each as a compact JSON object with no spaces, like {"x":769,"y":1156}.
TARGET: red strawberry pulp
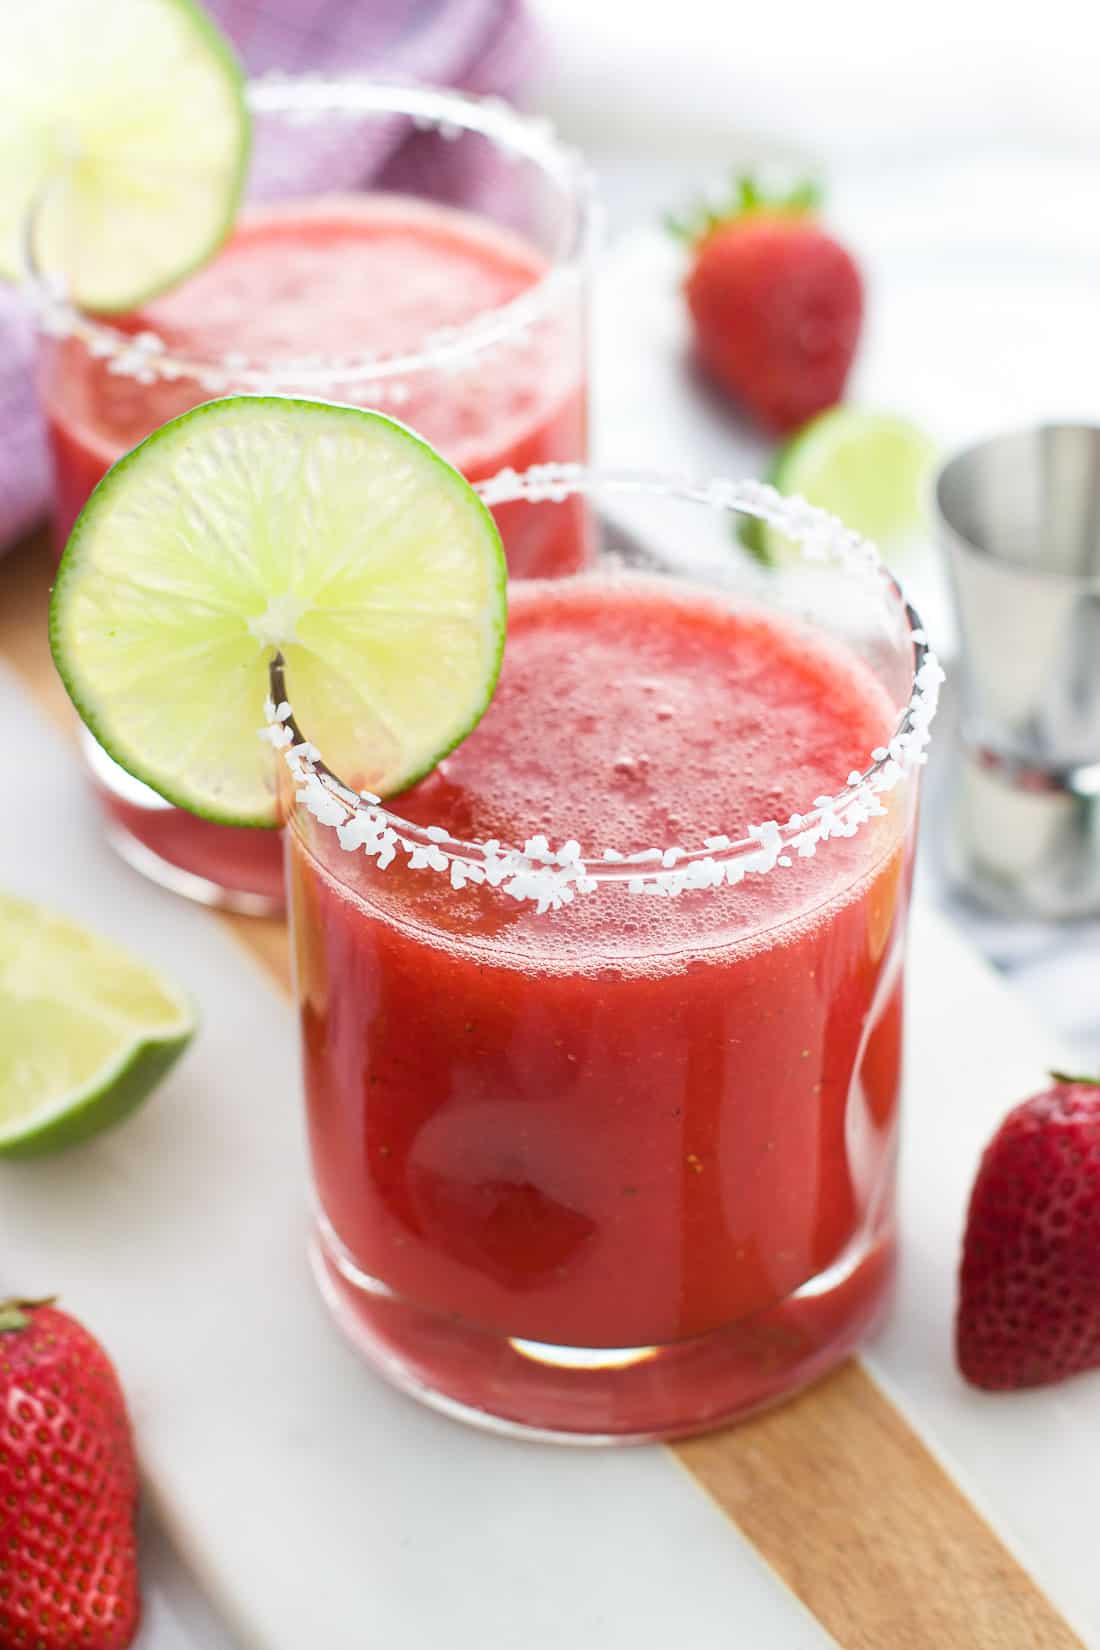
{"x":68,"y":1488}
{"x":1029,"y":1306}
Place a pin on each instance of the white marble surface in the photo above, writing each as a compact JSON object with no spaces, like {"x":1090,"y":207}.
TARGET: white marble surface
{"x":316,"y":1506}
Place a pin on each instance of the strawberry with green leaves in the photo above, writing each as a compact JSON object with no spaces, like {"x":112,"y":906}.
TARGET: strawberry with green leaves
{"x":776,"y":303}
{"x":68,"y":1488}
{"x":1029,"y":1301}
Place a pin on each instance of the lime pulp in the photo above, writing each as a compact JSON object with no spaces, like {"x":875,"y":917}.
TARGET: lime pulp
{"x":872,"y":469}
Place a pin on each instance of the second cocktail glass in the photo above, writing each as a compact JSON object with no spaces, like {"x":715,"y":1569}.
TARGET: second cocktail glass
{"x":449,"y":291}
{"x":604,"y":1136}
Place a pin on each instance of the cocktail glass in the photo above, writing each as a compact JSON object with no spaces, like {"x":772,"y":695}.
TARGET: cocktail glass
{"x":488,"y":363}
{"x":602,"y":1065}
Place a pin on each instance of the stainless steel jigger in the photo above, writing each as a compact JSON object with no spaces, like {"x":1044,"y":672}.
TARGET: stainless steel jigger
{"x":1020,"y":521}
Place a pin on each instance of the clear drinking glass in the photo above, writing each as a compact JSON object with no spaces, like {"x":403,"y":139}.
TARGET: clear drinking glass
{"x":602,"y":1022}
{"x":487,"y":362}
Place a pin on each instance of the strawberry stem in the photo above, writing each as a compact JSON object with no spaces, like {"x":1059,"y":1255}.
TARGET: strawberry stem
{"x":744,"y":197}
{"x":1084,"y":1082}
{"x":13,"y":1313}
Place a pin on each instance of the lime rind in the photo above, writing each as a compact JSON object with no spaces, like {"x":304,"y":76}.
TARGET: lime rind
{"x":112,"y":1096}
{"x":88,"y":1030}
{"x":125,"y":127}
{"x":262,"y":524}
{"x":869,"y":468}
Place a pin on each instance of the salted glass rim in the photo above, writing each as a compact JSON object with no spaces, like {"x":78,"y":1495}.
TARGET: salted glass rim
{"x":551,"y":875}
{"x":311,"y":97}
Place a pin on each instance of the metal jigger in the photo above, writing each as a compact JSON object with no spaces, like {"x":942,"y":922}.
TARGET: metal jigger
{"x":1020,"y":522}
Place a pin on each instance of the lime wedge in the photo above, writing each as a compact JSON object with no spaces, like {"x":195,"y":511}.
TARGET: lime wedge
{"x":262,"y":524}
{"x":123,"y":125}
{"x":869,"y":468}
{"x":86,"y":1030}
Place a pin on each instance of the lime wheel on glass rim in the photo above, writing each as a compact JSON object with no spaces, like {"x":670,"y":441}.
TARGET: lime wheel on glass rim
{"x":258,"y":526}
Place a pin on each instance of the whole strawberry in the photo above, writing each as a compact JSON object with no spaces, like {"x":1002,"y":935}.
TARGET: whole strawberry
{"x":68,"y":1488}
{"x":1029,"y":1302}
{"x":776,"y":304}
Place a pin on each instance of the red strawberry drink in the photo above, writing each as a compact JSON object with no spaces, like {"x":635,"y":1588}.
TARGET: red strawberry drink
{"x":607,"y":1147}
{"x":464,"y":320}
{"x":386,"y":270}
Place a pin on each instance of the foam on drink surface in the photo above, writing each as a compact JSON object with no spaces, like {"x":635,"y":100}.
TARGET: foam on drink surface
{"x":631,"y":713}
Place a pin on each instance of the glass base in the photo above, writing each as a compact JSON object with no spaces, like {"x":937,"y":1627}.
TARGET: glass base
{"x":223,"y":866}
{"x":187,"y":884}
{"x":607,"y":1395}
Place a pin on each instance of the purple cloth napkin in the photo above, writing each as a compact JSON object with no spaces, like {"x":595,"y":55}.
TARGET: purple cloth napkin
{"x":476,"y":45}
